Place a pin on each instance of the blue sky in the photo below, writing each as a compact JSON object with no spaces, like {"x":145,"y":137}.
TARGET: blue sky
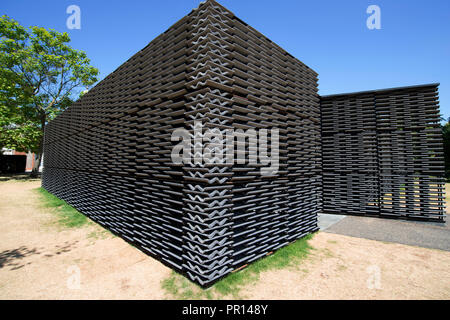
{"x":412,"y":47}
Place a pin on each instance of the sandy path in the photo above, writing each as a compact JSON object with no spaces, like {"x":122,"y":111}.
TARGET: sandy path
{"x":343,"y":267}
{"x":39,"y":260}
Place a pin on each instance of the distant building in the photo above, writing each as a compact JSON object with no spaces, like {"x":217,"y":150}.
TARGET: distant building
{"x":31,"y":158}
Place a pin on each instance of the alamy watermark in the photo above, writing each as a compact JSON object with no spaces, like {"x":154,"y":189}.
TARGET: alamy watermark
{"x":374,"y":20}
{"x":374,"y":279}
{"x":74,"y":279}
{"x":74,"y":20}
{"x":227,"y":146}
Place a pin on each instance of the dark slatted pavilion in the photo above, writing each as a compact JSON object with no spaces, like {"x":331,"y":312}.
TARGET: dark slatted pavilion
{"x":109,"y":154}
{"x":383,"y":153}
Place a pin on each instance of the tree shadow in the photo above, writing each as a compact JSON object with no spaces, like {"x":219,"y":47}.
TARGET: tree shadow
{"x":11,"y":258}
{"x":14,"y":259}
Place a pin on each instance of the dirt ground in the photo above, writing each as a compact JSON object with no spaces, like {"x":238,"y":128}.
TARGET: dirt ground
{"x":352,"y":268}
{"x":38,"y":260}
{"x":41,"y":260}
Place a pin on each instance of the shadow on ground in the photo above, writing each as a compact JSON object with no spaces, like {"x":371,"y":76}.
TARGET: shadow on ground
{"x":15,"y":258}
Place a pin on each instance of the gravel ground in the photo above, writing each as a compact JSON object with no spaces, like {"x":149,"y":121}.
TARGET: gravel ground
{"x":433,"y":235}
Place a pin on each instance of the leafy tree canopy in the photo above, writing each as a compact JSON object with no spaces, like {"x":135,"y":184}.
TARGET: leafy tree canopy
{"x":40,"y":76}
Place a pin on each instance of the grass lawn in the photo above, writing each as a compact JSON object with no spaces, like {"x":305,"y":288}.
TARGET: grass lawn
{"x":68,"y":216}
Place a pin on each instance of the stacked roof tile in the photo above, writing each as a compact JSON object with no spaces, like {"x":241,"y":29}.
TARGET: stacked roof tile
{"x":383,"y":153}
{"x":109,"y":154}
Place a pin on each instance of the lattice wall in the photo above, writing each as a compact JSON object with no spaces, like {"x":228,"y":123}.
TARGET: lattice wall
{"x":383,"y":153}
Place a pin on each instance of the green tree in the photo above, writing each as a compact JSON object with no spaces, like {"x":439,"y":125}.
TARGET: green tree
{"x":446,"y":137}
{"x":40,"y":76}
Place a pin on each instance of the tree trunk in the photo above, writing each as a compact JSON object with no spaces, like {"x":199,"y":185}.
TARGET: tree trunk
{"x":36,"y":165}
{"x":38,"y":157}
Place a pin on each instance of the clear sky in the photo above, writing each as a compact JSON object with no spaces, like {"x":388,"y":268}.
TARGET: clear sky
{"x":412,"y":47}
